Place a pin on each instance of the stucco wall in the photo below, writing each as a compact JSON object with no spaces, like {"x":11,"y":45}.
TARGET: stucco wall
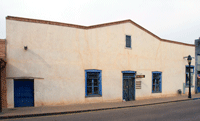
{"x":60,"y":55}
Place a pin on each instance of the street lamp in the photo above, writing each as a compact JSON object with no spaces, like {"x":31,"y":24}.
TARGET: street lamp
{"x":189,"y":59}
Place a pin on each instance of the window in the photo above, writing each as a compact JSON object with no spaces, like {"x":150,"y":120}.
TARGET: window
{"x":128,"y":41}
{"x":191,"y":75}
{"x":93,"y":83}
{"x":156,"y":82}
{"x":198,"y":62}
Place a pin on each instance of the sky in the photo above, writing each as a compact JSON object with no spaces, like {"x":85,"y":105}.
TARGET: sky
{"x":177,"y":20}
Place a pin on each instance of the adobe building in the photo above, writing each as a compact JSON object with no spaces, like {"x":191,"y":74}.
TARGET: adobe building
{"x":197,"y":65}
{"x":52,"y":63}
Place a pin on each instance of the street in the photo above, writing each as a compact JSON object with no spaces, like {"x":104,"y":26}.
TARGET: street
{"x":176,"y":111}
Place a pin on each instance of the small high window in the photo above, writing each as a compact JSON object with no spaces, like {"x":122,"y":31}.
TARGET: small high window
{"x":93,"y":83}
{"x":156,"y":82}
{"x":128,"y":41}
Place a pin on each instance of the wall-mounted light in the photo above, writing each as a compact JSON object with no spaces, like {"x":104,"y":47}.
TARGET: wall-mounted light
{"x":25,"y":47}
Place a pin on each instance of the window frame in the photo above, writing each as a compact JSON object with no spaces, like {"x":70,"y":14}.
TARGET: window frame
{"x":126,"y":77}
{"x":191,"y":66}
{"x":160,"y":82}
{"x":99,"y":83}
{"x":198,"y":62}
{"x":126,"y":41}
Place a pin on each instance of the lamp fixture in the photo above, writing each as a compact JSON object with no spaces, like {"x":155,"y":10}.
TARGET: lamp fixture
{"x":25,"y":47}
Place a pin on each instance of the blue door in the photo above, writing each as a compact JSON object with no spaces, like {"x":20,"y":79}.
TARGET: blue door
{"x":128,"y":86}
{"x":23,"y":92}
{"x":198,"y":85}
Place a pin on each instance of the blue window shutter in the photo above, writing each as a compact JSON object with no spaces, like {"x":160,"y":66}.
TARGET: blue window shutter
{"x":128,"y":71}
{"x":152,"y":82}
{"x":160,"y":82}
{"x":100,"y":85}
{"x":99,"y":81}
{"x":85,"y":83}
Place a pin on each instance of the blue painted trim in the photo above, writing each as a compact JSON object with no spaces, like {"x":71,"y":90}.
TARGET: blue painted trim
{"x":93,"y":70}
{"x":128,"y":71}
{"x":100,"y":82}
{"x":160,"y":82}
{"x":156,"y":72}
{"x":123,"y":82}
{"x":152,"y":83}
{"x":85,"y":83}
{"x":188,"y":65}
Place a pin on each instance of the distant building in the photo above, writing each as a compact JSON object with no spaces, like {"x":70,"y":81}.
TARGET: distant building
{"x":3,"y":73}
{"x":197,"y":65}
{"x":52,"y":63}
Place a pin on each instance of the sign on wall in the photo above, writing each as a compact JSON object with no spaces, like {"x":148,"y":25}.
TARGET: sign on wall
{"x":138,"y":85}
{"x":140,"y":76}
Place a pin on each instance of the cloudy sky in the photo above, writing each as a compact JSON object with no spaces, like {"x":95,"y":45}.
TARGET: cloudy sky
{"x":177,"y":20}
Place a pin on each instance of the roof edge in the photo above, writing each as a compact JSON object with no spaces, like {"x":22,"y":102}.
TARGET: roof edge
{"x":44,"y":22}
{"x":93,"y":26}
{"x":175,"y":42}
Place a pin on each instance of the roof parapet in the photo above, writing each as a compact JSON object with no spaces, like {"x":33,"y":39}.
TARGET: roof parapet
{"x":93,"y":26}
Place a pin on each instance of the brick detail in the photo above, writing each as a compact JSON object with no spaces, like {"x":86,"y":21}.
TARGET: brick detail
{"x":3,"y":88}
{"x":3,"y":74}
{"x":2,"y":49}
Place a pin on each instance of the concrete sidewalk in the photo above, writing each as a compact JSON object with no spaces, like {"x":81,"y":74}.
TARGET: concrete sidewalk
{"x":56,"y":110}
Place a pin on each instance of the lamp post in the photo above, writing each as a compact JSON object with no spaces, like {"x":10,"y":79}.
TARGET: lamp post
{"x":189,"y":59}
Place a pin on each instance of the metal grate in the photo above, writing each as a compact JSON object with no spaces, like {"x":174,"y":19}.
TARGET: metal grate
{"x":92,"y":75}
{"x":129,"y":74}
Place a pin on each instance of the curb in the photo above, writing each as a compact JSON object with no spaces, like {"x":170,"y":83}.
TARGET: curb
{"x":88,"y":110}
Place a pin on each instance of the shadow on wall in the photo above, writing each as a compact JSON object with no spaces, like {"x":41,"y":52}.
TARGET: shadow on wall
{"x":37,"y":57}
{"x":28,"y":68}
{"x":13,"y":71}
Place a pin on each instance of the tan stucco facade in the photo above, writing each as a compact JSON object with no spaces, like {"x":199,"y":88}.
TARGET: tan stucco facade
{"x":57,"y":57}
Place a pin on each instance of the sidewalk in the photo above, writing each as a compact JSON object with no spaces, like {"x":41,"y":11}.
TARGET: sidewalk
{"x":55,"y":110}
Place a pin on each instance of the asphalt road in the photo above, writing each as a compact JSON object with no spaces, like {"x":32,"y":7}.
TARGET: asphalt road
{"x":176,"y":111}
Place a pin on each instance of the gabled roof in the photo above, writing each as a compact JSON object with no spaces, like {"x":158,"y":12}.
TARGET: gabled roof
{"x":93,"y":26}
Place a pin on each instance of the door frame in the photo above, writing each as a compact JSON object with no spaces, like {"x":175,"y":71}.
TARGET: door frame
{"x":134,"y":72}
